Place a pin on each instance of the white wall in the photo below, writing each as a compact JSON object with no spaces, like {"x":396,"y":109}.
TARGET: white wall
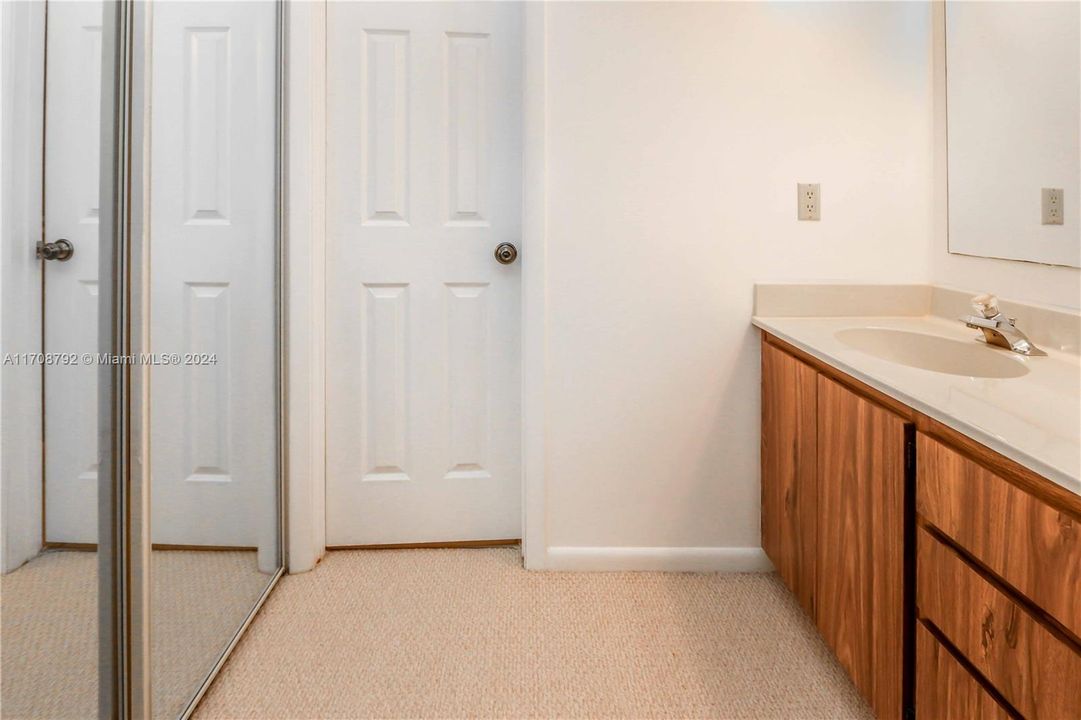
{"x":1055,"y":285}
{"x":676,"y":136}
{"x":1029,"y":282}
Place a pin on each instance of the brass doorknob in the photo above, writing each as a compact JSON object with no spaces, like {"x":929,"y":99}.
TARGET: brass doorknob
{"x":506,"y":253}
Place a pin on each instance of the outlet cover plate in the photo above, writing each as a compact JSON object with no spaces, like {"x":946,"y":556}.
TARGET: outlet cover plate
{"x":1051,"y":206}
{"x":809,"y":201}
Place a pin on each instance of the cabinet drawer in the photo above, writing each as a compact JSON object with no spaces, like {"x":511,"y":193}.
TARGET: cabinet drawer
{"x":1035,"y":670}
{"x":1033,"y":546}
{"x":944,"y":688}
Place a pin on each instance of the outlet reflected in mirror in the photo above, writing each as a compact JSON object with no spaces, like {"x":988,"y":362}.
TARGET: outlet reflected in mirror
{"x":1013,"y":104}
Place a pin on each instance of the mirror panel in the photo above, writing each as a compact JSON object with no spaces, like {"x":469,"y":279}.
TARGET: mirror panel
{"x":213,"y":317}
{"x":1013,"y":99}
{"x":53,"y":590}
{"x":194,"y":302}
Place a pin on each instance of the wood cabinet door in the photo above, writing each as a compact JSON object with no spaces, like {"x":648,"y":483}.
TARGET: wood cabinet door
{"x":789,"y":470}
{"x":859,"y":590}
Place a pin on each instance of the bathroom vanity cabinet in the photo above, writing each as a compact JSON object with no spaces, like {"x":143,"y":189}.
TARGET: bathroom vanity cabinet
{"x":833,"y":511}
{"x":944,"y":576}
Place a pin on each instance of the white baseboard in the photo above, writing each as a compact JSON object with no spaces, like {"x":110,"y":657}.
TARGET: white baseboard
{"x":668,"y":559}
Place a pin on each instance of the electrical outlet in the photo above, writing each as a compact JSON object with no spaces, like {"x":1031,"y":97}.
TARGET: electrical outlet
{"x":809,"y":201}
{"x":1051,"y":202}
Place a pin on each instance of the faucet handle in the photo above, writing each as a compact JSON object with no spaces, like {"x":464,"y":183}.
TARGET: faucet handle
{"x":985,"y":305}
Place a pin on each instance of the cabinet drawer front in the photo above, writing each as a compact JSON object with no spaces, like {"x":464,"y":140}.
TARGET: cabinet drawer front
{"x":1034,"y":670}
{"x":1033,"y":546}
{"x":944,"y":688}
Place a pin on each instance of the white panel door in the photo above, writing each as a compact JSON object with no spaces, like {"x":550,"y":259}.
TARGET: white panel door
{"x":423,"y":337}
{"x":212,"y":258}
{"x":72,"y":112}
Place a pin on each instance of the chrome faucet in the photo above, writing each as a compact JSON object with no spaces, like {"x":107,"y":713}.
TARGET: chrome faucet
{"x":997,"y":329}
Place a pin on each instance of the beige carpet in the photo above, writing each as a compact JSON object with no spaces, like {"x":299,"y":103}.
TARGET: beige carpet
{"x":469,"y":633}
{"x":48,"y":628}
{"x":49,"y":637}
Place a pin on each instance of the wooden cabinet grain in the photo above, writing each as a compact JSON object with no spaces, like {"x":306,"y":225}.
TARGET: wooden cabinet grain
{"x":943,"y":576}
{"x":860,"y":565}
{"x":945,"y":690}
{"x":1033,"y":545}
{"x":788,"y":471}
{"x":1036,"y":670}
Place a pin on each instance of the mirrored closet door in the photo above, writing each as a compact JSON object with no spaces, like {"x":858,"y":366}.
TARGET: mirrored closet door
{"x":56,"y":277}
{"x":212,"y":286}
{"x":141,"y":394}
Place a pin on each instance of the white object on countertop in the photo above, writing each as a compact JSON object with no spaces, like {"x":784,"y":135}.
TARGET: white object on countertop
{"x":986,"y":305}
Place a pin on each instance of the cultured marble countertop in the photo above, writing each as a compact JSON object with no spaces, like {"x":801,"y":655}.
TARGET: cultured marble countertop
{"x":1034,"y":419}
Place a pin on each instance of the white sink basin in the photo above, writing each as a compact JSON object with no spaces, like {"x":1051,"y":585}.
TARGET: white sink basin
{"x":931,"y":352}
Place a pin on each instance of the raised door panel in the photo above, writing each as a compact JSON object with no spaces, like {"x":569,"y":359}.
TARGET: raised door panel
{"x":945,"y":690}
{"x":1034,"y":668}
{"x":859,"y":585}
{"x":1034,"y":546}
{"x":789,"y":470}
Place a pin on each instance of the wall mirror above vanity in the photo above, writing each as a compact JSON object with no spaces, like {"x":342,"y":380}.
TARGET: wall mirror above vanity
{"x":1013,"y":116}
